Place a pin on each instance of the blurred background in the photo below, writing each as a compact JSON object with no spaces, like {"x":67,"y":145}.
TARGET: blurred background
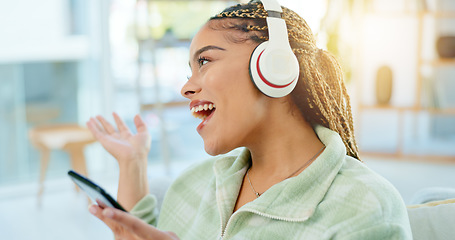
{"x":64,"y":61}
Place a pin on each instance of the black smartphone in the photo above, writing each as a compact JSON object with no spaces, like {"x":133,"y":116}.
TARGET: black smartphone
{"x":94,"y":191}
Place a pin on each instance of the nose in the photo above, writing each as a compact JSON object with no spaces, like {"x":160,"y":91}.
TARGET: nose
{"x":190,"y":89}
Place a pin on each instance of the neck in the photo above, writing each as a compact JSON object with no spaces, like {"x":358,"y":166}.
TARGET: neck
{"x":281,"y":150}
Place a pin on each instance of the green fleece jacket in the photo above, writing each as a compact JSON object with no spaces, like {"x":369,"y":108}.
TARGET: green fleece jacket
{"x":336,"y":197}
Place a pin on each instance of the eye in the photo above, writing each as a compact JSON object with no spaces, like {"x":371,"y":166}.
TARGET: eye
{"x":202,"y":61}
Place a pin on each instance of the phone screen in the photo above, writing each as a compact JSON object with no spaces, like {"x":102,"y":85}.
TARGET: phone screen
{"x":94,"y":191}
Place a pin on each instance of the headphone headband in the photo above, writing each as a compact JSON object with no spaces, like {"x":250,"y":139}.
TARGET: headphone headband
{"x":271,"y":5}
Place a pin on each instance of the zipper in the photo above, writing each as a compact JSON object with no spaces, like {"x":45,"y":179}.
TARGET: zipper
{"x":221,"y":221}
{"x":223,"y":232}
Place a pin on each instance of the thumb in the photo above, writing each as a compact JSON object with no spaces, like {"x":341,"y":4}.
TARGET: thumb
{"x":140,"y":125}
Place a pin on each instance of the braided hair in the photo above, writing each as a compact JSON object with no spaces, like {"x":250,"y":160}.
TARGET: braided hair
{"x":320,"y":93}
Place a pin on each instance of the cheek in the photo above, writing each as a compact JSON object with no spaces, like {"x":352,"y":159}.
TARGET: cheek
{"x":234,"y":79}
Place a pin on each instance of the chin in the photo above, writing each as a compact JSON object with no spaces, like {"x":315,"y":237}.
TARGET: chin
{"x":214,"y":150}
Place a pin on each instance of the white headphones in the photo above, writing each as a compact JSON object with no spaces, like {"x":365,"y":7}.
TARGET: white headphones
{"x":274,"y":68}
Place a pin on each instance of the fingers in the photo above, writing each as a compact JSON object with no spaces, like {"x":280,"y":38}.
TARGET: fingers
{"x":123,"y":129}
{"x":124,"y":224}
{"x":95,"y":128}
{"x":106,"y":125}
{"x":97,"y":211}
{"x":101,"y":125}
{"x":135,"y":225}
{"x":130,"y":223}
{"x":101,"y":204}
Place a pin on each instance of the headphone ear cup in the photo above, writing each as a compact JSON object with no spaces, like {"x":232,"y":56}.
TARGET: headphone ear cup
{"x":267,"y":70}
{"x":254,"y":75}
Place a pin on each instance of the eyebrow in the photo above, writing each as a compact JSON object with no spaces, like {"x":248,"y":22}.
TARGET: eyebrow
{"x":204,"y":49}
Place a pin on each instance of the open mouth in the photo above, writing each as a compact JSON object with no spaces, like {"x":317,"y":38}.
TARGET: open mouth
{"x":203,"y":111}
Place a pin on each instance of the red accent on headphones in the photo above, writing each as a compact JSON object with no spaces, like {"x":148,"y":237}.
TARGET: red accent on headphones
{"x":265,"y":80}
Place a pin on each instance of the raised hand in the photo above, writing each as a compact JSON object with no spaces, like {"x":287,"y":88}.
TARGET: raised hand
{"x":121,"y":143}
{"x":130,"y":150}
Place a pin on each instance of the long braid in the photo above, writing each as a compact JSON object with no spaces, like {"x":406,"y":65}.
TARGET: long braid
{"x":320,"y":94}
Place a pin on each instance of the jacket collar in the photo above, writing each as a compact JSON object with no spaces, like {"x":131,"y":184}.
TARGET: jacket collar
{"x":294,"y":199}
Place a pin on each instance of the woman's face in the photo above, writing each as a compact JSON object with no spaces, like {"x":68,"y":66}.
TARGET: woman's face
{"x":232,"y":110}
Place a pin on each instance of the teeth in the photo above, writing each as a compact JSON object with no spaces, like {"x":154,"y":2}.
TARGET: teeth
{"x":202,"y":107}
{"x":199,"y":116}
{"x":205,"y":107}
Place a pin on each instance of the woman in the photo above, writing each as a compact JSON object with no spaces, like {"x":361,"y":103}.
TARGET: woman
{"x":298,"y":175}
